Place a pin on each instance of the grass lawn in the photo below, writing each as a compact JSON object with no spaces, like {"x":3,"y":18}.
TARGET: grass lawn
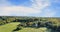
{"x":11,"y":26}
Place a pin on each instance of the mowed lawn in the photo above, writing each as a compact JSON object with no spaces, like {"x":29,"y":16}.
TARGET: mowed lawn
{"x":11,"y":26}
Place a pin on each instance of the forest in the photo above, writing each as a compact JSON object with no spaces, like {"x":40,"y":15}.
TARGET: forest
{"x":50,"y":24}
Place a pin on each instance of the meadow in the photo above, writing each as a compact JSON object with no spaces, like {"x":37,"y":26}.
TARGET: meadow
{"x":11,"y":26}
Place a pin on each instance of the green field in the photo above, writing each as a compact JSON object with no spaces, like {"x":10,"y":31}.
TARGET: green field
{"x":8,"y":27}
{"x":11,"y":26}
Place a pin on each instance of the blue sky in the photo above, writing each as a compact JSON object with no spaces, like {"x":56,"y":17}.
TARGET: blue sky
{"x":41,"y":8}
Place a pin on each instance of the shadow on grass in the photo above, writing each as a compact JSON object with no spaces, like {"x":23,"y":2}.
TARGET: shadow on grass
{"x":17,"y":29}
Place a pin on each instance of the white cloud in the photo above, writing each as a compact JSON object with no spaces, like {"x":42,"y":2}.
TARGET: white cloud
{"x":36,"y":8}
{"x":18,"y":10}
{"x":40,"y":4}
{"x":49,"y":13}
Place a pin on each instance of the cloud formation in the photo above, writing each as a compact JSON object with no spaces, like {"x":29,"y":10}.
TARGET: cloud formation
{"x":18,"y":10}
{"x":7,"y":9}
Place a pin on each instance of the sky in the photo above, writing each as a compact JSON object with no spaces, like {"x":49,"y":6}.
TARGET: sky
{"x":38,"y":8}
